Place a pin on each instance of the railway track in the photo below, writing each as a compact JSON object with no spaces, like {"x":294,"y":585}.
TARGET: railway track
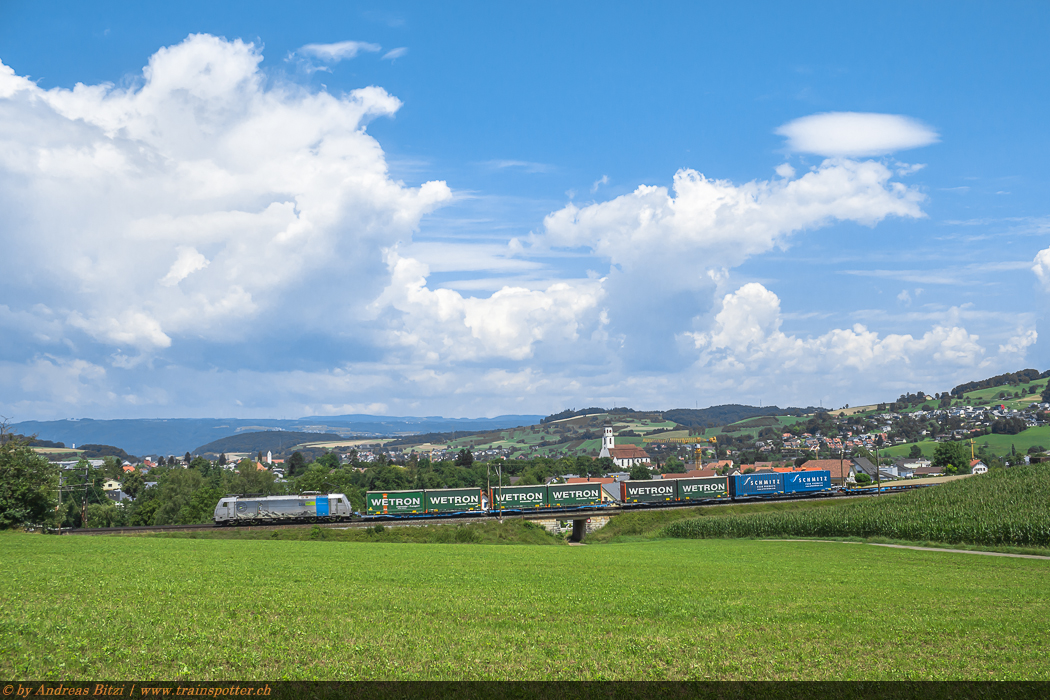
{"x":410,"y":521}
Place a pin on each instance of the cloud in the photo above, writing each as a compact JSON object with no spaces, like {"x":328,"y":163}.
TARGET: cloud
{"x":714,"y":223}
{"x":746,"y":337}
{"x":524,"y":165}
{"x":1018,"y":344}
{"x":437,"y":325}
{"x":395,"y":53}
{"x":1041,"y":268}
{"x":340,"y":51}
{"x":603,"y":180}
{"x":188,"y":262}
{"x":201,"y":202}
{"x":854,"y":134}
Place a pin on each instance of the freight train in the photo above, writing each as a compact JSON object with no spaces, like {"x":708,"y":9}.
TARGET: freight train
{"x":318,"y":507}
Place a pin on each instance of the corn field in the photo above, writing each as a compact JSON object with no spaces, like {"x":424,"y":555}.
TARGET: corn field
{"x":1004,"y":507}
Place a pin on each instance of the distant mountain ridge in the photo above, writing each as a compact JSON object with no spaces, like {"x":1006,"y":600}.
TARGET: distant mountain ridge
{"x":176,"y":436}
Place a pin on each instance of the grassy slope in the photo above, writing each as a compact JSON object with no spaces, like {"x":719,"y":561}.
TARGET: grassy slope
{"x":116,"y":608}
{"x":508,"y":532}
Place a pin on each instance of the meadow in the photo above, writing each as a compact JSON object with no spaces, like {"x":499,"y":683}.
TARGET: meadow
{"x":148,"y":608}
{"x":1007,"y":507}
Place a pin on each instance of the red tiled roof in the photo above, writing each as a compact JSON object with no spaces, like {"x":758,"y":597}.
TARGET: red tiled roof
{"x":585,"y":480}
{"x":628,"y":452}
{"x":839,"y":468}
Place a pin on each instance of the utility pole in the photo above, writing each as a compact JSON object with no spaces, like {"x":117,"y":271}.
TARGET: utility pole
{"x":878,"y":469}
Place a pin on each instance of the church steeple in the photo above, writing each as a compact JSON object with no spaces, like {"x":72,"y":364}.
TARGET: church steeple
{"x":608,"y":442}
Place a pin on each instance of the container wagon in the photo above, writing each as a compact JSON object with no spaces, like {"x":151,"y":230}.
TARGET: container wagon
{"x":453,"y":500}
{"x":703,"y":488}
{"x":518,"y":498}
{"x":395,"y":502}
{"x":657,"y":491}
{"x":575,"y":495}
{"x":423,"y":502}
{"x":806,"y":482}
{"x":745,"y":485}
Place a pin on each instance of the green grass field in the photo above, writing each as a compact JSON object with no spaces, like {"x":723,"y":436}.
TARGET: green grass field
{"x":144,"y":608}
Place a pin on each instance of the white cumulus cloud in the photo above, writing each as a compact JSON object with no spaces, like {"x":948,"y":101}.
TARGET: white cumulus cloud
{"x":441,"y":324}
{"x":198,"y":200}
{"x":854,"y":134}
{"x":746,"y":336}
{"x":1041,"y":268}
{"x":715,"y":223}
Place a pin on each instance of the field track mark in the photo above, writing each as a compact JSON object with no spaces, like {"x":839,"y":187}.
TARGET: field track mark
{"x":928,"y":549}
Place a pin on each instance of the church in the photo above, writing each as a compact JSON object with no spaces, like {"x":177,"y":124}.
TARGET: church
{"x":626,"y":456}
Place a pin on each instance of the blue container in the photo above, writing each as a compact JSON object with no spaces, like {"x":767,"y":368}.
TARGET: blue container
{"x":756,"y":485}
{"x":804,"y":482}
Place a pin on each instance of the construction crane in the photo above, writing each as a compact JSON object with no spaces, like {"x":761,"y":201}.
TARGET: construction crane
{"x":687,"y":441}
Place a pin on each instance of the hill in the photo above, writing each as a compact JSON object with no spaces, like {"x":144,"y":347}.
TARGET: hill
{"x":728,"y":413}
{"x":277,"y":441}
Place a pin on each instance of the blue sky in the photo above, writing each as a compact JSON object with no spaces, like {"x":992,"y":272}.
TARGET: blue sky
{"x":280,"y":210}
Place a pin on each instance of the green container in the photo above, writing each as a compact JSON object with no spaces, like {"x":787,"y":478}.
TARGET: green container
{"x":395,"y":502}
{"x":649,"y":491}
{"x":704,"y":487}
{"x":453,"y":500}
{"x":518,"y":497}
{"x":568,"y":495}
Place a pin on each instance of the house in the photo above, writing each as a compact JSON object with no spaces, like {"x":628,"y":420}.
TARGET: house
{"x":111,"y":485}
{"x":840,"y":468}
{"x":903,"y":470}
{"x":720,"y":465}
{"x":928,"y":471}
{"x":978,"y":467}
{"x":626,"y":456}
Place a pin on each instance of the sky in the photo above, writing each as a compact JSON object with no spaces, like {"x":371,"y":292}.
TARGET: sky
{"x":253,"y":209}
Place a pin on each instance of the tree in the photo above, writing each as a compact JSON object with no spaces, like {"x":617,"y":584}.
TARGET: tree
{"x":952,"y":457}
{"x":296,"y":463}
{"x":223,"y":460}
{"x":28,"y":484}
{"x":186,"y":458}
{"x":133,"y":483}
{"x":673,"y":466}
{"x":103,"y":515}
{"x":113,"y":467}
{"x":640,"y":472}
{"x":176,"y":491}
{"x":329,"y":460}
{"x":465,"y":458}
{"x":915,"y":452}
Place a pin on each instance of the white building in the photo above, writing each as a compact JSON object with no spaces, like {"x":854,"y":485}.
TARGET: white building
{"x":624,"y":457}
